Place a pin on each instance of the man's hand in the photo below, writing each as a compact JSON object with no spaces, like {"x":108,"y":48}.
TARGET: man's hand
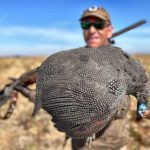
{"x":146,"y":114}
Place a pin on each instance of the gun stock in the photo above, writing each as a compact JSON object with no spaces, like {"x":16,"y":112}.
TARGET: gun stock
{"x":126,"y":29}
{"x":135,"y":25}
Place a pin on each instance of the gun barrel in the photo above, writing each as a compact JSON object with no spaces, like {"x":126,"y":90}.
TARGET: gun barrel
{"x":129,"y":28}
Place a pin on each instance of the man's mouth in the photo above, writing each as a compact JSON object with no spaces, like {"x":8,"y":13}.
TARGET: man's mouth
{"x":92,"y":38}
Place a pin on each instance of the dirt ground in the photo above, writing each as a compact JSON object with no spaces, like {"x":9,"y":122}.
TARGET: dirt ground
{"x":24,"y":132}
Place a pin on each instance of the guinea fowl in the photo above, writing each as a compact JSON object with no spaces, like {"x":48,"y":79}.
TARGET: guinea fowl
{"x":82,"y":88}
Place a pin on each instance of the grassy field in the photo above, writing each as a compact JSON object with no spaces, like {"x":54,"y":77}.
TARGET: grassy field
{"x":23,"y":132}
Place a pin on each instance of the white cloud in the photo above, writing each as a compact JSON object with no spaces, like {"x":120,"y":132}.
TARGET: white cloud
{"x":135,"y":41}
{"x":51,"y":40}
{"x":59,"y":34}
{"x":39,"y":49}
{"x":140,"y":32}
{"x":134,"y":44}
{"x":145,"y":30}
{"x":31,"y":40}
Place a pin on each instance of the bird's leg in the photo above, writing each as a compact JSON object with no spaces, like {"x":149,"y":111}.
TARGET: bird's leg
{"x":25,"y":91}
{"x":12,"y":105}
{"x":89,"y":140}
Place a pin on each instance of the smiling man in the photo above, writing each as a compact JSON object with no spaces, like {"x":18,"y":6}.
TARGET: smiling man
{"x":97,"y":30}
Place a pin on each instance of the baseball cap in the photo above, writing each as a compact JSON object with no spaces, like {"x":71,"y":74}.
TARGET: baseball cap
{"x":98,"y":12}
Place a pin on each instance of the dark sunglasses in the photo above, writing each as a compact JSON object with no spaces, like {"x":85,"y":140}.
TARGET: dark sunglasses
{"x":98,"y":25}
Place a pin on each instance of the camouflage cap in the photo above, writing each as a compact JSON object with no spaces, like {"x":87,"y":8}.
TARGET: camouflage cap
{"x":97,"y":12}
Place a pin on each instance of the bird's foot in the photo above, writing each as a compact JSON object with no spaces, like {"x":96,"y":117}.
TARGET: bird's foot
{"x":89,"y":140}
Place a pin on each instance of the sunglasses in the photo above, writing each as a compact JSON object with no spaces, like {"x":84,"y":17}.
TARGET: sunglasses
{"x":98,"y":25}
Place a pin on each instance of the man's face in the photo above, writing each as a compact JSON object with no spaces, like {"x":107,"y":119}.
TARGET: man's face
{"x":95,"y":38}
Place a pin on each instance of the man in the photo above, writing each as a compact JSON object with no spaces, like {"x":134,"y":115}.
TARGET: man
{"x":97,"y":30}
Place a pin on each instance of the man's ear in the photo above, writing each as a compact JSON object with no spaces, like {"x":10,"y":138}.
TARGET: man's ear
{"x":110,"y":31}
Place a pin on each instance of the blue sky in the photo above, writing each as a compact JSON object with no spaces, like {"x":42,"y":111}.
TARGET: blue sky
{"x":43,"y":27}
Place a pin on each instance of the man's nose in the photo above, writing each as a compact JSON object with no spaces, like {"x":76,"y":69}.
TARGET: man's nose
{"x":92,"y":29}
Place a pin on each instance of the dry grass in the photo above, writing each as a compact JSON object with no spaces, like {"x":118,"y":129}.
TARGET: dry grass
{"x":22,"y":132}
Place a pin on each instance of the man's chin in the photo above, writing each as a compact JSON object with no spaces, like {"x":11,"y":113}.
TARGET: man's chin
{"x":93,"y":45}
